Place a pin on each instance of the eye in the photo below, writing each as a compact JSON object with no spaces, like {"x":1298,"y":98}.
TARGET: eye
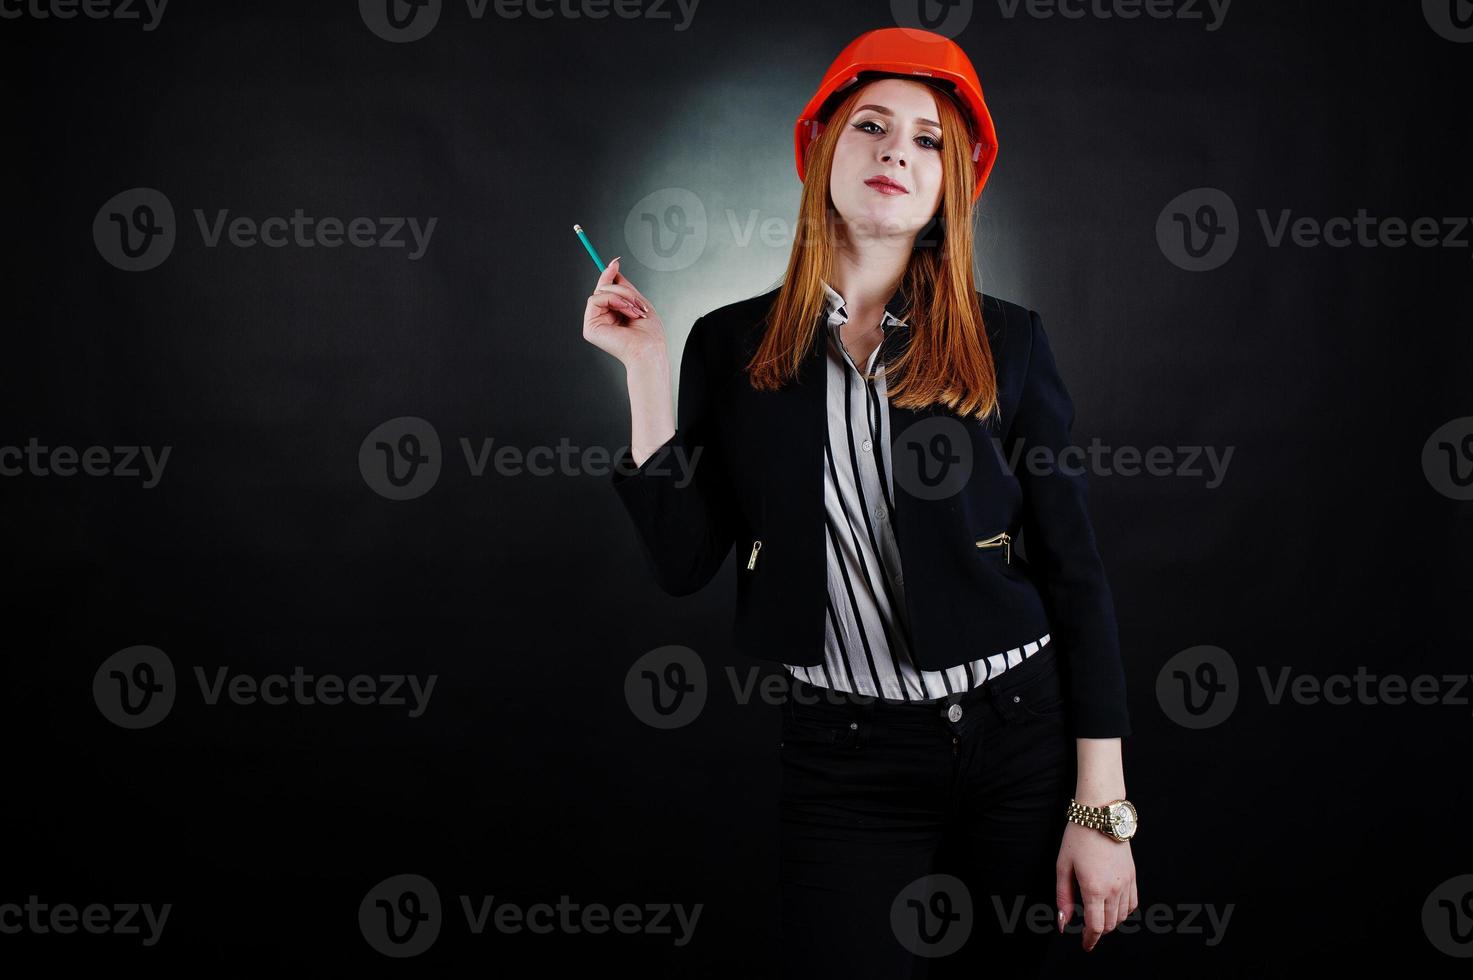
{"x":930,"y":142}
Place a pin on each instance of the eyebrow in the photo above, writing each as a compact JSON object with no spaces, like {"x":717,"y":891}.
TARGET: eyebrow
{"x":886,"y":112}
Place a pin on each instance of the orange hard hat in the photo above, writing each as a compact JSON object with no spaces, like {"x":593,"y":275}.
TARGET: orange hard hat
{"x":905,"y":52}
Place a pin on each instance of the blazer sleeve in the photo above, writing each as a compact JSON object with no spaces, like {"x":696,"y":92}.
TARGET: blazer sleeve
{"x":678,"y":498}
{"x":1060,"y":545}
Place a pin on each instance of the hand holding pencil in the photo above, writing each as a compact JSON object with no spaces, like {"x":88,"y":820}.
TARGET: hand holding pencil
{"x":617,"y":318}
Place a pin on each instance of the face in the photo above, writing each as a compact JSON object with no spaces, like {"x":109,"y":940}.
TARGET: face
{"x":894,"y":132}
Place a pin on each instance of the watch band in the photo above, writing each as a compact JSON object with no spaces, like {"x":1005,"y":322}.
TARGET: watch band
{"x":1106,"y":819}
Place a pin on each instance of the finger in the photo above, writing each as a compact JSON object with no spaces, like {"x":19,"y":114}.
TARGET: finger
{"x":629,"y":293}
{"x":610,"y":272}
{"x":1112,"y":912}
{"x":623,"y":280}
{"x":613,"y":303}
{"x":1094,"y":920}
{"x":1063,"y":895}
{"x":1135,"y":898}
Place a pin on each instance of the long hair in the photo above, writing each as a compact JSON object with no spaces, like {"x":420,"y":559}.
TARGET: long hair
{"x":948,"y":360}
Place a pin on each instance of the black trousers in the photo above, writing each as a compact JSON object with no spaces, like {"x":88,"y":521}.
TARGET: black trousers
{"x":919,"y":840}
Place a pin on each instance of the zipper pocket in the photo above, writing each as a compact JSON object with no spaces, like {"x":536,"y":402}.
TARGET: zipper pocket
{"x":999,"y":540}
{"x":752,"y":559}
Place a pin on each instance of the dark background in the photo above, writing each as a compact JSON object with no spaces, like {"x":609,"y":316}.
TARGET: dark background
{"x":1325,"y":548}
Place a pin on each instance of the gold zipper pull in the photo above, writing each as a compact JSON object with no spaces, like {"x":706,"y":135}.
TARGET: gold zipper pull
{"x":1002,"y":539}
{"x":752,"y":561}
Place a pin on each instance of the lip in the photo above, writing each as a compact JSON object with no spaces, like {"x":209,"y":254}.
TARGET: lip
{"x":885,"y":185}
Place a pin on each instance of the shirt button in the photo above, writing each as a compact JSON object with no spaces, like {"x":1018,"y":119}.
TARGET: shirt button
{"x":879,"y":513}
{"x":954,"y":713}
{"x":865,"y":445}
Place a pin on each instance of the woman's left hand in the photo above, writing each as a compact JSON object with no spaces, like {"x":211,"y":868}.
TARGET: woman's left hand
{"x":1106,"y":873}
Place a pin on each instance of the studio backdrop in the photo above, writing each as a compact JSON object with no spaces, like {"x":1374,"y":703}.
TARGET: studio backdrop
{"x":328,"y":641}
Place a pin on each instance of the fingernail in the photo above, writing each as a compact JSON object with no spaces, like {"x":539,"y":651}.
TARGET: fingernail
{"x":1061,"y":920}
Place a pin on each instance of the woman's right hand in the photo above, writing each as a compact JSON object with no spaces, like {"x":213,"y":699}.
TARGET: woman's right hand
{"x":619,"y":320}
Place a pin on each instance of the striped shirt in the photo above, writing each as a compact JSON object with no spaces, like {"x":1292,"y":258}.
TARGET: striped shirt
{"x":866,"y":638}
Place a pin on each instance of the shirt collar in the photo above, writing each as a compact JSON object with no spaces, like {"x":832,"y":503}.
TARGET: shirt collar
{"x":898,"y":301}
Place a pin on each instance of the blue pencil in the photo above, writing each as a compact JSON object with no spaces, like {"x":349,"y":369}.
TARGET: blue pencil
{"x":589,"y":245}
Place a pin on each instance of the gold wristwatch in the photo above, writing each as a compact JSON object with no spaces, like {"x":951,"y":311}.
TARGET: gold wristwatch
{"x":1116,"y":819}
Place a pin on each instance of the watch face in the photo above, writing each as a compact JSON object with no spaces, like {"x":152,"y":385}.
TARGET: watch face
{"x":1122,"y":815}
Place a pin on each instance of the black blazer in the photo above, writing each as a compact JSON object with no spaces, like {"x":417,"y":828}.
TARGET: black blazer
{"x":745,"y":467}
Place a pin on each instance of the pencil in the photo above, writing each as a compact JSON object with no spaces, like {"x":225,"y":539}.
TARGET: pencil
{"x":589,"y":245}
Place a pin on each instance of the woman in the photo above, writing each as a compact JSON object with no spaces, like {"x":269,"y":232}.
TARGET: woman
{"x":957,"y":704}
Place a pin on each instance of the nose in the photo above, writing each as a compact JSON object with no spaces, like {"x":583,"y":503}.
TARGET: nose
{"x":894,"y":154}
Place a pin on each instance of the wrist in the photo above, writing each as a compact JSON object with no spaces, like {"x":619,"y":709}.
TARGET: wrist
{"x":649,"y":359}
{"x":1098,"y":794}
